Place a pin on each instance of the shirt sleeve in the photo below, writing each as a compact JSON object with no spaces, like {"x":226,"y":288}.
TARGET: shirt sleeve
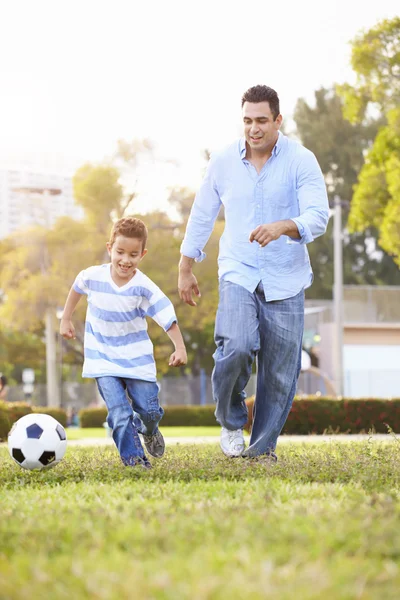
{"x":159,"y":308}
{"x":312,"y":198}
{"x":204,"y":212}
{"x":80,"y":285}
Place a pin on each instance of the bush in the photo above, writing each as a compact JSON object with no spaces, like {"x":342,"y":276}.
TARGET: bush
{"x":92,"y":417}
{"x":193,"y":416}
{"x":57,"y":413}
{"x":345,"y":415}
{"x":16,"y":410}
{"x":5,"y":424}
{"x":190,"y":416}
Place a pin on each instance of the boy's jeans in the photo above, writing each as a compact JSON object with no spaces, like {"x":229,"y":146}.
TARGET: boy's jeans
{"x":247,"y":327}
{"x":127,"y":420}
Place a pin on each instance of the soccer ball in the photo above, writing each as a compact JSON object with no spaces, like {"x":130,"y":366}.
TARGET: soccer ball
{"x":37,"y":441}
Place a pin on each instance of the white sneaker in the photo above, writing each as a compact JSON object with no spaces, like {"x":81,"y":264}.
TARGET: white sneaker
{"x":232,"y":442}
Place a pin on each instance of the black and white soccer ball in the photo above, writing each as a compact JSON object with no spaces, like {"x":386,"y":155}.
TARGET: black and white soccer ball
{"x":37,"y":441}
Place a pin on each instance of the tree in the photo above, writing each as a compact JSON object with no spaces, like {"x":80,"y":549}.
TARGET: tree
{"x":339,"y":147}
{"x":376,"y":201}
{"x":98,"y":191}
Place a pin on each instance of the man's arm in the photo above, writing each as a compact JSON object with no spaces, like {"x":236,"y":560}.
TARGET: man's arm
{"x":187,"y":282}
{"x":204,"y":211}
{"x":313,"y":207}
{"x":312,"y":198}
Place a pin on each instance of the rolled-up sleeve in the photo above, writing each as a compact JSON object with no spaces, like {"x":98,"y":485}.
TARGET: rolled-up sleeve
{"x":205,"y":209}
{"x":312,"y":199}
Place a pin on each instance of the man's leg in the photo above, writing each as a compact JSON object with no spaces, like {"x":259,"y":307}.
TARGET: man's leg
{"x":278,"y":362}
{"x":121,"y":420}
{"x":148,"y":413}
{"x":237,"y":340}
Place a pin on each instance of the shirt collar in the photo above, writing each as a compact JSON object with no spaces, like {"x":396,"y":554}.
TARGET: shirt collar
{"x":277,"y":148}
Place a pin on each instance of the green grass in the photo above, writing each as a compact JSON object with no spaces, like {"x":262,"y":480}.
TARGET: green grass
{"x":76,"y":433}
{"x":321,"y":524}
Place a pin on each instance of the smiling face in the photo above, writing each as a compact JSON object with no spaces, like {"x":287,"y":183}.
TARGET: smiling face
{"x":261,"y":130}
{"x":125,"y":253}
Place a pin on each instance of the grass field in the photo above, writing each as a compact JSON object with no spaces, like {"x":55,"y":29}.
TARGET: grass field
{"x":76,"y":433}
{"x":324,"y":523}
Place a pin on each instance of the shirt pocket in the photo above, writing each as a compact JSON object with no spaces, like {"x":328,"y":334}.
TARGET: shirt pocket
{"x":280,"y":199}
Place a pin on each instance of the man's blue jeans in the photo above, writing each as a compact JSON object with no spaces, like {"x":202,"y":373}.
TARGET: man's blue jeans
{"x":248,"y":327}
{"x":127,"y":420}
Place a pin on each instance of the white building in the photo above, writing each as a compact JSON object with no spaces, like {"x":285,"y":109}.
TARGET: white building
{"x":29,"y":196}
{"x":371,"y":340}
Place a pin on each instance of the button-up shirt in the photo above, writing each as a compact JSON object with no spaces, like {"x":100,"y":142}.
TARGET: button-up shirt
{"x":289,"y":186}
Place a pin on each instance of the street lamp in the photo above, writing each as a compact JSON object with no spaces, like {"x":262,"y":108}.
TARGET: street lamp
{"x":53,"y":397}
{"x":338,"y":293}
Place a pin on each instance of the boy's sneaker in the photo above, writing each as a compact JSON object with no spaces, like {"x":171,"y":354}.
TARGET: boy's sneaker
{"x":155,"y":444}
{"x":232,"y":442}
{"x":139,"y":462}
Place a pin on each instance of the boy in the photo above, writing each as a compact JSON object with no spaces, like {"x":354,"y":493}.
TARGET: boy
{"x":118,"y":351}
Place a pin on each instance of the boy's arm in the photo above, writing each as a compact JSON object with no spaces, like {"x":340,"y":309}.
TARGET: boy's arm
{"x":179,"y":357}
{"x":67,"y":330}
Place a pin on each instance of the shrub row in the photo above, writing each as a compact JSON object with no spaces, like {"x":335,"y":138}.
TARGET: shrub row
{"x":343,"y":416}
{"x":308,"y":415}
{"x":173,"y":416}
{"x":10,"y":412}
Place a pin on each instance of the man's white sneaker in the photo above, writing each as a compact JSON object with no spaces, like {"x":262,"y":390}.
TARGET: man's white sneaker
{"x":232,"y":442}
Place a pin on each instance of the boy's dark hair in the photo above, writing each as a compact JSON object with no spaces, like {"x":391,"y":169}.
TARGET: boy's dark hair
{"x":263,"y":93}
{"x":3,"y":381}
{"x":129,"y":227}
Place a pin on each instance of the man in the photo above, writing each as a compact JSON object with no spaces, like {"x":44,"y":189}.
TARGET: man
{"x":275,"y":202}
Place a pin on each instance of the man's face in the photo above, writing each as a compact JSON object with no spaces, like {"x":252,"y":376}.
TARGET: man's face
{"x":260,"y":129}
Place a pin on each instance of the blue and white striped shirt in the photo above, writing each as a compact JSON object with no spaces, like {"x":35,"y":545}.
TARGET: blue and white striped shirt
{"x":289,"y":186}
{"x":116,"y":339}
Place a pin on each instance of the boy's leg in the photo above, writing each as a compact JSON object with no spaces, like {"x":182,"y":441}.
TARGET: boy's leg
{"x":121,"y":420}
{"x":145,"y":403}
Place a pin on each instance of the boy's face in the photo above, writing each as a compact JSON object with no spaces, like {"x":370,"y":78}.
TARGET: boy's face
{"x":126,"y":254}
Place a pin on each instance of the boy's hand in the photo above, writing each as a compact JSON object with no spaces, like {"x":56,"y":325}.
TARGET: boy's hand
{"x":178,"y":358}
{"x":67,"y":330}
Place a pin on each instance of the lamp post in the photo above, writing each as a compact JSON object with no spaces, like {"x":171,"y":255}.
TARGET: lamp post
{"x":43,"y":194}
{"x":59,"y":314}
{"x":338,"y":294}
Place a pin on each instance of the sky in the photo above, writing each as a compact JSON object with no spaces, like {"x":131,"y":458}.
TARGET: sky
{"x":76,"y":76}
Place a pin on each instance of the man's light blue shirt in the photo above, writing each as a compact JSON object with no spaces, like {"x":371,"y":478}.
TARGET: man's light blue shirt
{"x":289,"y":186}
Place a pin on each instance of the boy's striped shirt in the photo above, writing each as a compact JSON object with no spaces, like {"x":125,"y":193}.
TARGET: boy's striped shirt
{"x":116,"y":339}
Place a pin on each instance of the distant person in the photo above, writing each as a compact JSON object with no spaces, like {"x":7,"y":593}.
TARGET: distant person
{"x":275,"y":202}
{"x":3,"y":387}
{"x":118,"y":351}
{"x":72,"y":417}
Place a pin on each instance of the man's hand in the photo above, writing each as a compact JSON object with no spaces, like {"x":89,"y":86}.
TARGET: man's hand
{"x":67,"y":330}
{"x":264,"y":234}
{"x":187,"y":285}
{"x":178,"y":358}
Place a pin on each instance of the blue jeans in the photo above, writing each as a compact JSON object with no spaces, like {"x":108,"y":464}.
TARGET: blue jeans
{"x":127,"y":420}
{"x":247,"y":328}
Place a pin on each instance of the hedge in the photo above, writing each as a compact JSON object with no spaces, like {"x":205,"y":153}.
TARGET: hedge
{"x":92,"y":417}
{"x":10,"y":412}
{"x":345,"y":415}
{"x":5,"y":424}
{"x":57,"y":413}
{"x":173,"y":415}
{"x":308,"y":415}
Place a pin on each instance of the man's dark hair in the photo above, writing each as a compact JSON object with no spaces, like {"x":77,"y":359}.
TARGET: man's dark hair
{"x":263,"y":93}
